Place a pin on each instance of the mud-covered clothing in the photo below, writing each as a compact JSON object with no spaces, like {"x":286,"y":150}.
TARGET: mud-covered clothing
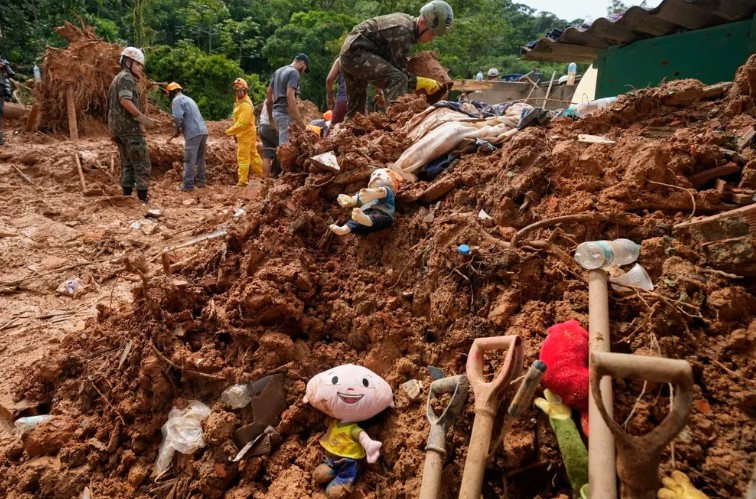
{"x":246,"y":140}
{"x":376,"y":52}
{"x":343,"y":440}
{"x":346,"y":471}
{"x":135,"y":162}
{"x":194,"y":161}
{"x":187,"y":117}
{"x":120,"y":122}
{"x":283,"y":79}
{"x":385,"y":205}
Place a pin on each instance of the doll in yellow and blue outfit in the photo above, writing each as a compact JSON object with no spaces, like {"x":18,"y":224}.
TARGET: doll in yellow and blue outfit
{"x":348,"y":394}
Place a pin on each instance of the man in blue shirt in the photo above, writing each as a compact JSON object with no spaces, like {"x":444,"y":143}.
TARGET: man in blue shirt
{"x":187,"y":117}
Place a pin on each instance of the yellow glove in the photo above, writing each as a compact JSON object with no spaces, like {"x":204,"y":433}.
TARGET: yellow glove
{"x":678,"y":486}
{"x":430,"y":86}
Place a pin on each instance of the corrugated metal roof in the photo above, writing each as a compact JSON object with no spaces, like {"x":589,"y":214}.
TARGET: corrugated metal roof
{"x":582,"y":45}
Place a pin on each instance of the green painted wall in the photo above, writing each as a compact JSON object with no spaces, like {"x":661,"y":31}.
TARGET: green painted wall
{"x":710,"y":55}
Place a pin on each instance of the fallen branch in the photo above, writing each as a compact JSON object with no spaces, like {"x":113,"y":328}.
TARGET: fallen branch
{"x":579,"y":217}
{"x":184,"y":370}
{"x":692,"y":197}
{"x":26,"y":179}
{"x":81,"y":172}
{"x":109,"y":404}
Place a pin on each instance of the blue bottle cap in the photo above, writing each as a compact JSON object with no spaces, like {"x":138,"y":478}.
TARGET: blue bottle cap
{"x":463,"y":249}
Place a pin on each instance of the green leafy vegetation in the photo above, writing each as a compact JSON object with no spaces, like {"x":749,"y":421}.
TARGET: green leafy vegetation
{"x":206,"y":44}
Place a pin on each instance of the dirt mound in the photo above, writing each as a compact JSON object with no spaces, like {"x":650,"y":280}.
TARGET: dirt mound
{"x":281,"y":294}
{"x":742,"y":98}
{"x":426,"y":64}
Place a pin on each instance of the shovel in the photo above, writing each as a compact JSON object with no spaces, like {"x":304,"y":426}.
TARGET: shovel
{"x":487,"y":399}
{"x":638,"y":457}
{"x":436,"y":447}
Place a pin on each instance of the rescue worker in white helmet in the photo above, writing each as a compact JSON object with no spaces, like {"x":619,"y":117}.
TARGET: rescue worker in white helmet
{"x":127,"y":123}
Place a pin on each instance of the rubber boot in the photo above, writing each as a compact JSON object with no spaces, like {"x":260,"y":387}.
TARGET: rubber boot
{"x":126,"y":191}
{"x":142,"y":195}
{"x":243,"y":172}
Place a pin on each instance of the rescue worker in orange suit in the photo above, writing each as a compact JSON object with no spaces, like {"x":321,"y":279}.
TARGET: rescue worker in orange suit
{"x":245,"y":133}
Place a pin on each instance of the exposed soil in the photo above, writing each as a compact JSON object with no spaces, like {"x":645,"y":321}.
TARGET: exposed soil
{"x":280,"y":294}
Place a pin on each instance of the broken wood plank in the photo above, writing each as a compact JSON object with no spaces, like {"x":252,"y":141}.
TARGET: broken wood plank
{"x":81,"y":172}
{"x":654,"y":132}
{"x":73,"y":128}
{"x":475,"y":85}
{"x":125,"y":354}
{"x":701,"y":178}
{"x":745,"y":137}
{"x":747,"y":214}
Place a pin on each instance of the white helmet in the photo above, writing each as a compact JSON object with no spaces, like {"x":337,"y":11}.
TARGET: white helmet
{"x":493,"y":72}
{"x":133,"y":53}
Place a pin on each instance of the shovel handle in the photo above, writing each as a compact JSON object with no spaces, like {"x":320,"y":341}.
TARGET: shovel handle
{"x":458,"y":386}
{"x":489,"y":395}
{"x":654,"y":369}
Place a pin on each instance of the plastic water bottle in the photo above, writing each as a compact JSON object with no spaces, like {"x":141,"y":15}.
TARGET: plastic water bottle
{"x":587,"y":107}
{"x":23,"y":424}
{"x":602,"y":254}
{"x":37,"y":74}
{"x":571,"y":72}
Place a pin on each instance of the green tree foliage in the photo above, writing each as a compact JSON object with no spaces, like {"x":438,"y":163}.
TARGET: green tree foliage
{"x":309,"y":32}
{"x":205,"y":44}
{"x":207,"y":79}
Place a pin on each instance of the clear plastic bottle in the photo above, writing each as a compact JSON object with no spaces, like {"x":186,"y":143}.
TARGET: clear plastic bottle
{"x":571,"y":72}
{"x":587,"y":107}
{"x":602,"y":254}
{"x":23,"y":424}
{"x":37,"y":74}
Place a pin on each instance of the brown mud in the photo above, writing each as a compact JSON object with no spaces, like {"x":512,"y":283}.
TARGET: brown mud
{"x":281,"y":294}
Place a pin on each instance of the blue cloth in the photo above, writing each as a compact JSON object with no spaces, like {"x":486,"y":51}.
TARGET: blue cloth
{"x":194,"y":161}
{"x":380,"y":221}
{"x":346,"y":471}
{"x":435,"y":167}
{"x":385,"y":205}
{"x":340,"y":87}
{"x":187,"y":115}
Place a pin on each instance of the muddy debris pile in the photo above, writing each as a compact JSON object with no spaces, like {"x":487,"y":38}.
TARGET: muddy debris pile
{"x":281,"y":295}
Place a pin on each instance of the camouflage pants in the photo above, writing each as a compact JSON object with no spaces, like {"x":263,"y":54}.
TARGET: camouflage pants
{"x":135,"y":162}
{"x":360,"y":68}
{"x":2,"y":107}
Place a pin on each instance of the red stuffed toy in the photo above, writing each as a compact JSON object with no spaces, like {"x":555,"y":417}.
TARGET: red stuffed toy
{"x":565,"y":353}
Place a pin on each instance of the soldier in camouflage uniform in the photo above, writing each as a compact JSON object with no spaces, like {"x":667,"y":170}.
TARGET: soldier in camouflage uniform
{"x":376,"y":51}
{"x":127,"y":124}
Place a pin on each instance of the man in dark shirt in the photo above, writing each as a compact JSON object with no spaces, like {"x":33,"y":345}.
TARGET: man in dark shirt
{"x":126,"y":124}
{"x":376,"y":51}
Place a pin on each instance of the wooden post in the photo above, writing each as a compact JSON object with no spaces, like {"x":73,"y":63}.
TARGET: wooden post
{"x":549,"y":89}
{"x":73,"y":129}
{"x":81,"y":172}
{"x":32,"y":120}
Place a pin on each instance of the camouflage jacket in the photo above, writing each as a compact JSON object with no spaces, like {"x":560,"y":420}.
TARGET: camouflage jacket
{"x":120,"y":122}
{"x":390,"y":37}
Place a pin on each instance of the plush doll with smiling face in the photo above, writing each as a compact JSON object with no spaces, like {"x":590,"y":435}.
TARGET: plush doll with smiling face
{"x":348,"y":394}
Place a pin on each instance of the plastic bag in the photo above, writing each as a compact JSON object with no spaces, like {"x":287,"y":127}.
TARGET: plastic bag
{"x":182,"y":432}
{"x":236,"y":396}
{"x":70,"y":287}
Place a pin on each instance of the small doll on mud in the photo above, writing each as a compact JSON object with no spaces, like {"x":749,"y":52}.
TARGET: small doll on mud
{"x":373,"y":206}
{"x":348,"y":394}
